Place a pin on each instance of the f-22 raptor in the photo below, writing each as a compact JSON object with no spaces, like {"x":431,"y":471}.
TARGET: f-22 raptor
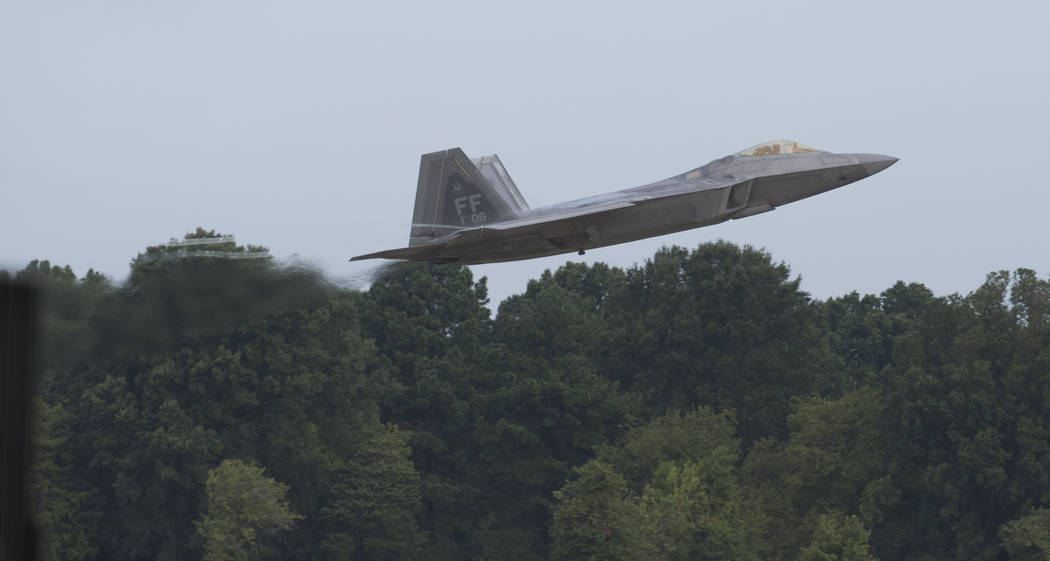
{"x":471,"y":212}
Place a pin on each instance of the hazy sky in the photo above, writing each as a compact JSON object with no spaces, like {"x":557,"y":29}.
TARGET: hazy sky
{"x":299,"y":125}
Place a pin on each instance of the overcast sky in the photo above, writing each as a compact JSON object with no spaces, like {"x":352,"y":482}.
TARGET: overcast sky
{"x":299,"y":125}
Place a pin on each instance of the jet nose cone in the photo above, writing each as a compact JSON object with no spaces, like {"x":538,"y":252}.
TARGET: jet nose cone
{"x":874,"y":163}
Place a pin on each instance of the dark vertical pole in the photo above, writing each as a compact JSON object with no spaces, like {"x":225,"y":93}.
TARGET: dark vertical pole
{"x":18,"y":308}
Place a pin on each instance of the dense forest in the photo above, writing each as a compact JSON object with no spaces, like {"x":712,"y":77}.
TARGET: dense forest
{"x":220,"y":404}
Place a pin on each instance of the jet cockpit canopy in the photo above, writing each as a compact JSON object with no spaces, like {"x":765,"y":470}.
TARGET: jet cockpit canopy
{"x":774,"y":147}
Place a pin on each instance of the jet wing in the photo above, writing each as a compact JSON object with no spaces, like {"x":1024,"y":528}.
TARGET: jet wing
{"x":529,"y":224}
{"x":535,"y":227}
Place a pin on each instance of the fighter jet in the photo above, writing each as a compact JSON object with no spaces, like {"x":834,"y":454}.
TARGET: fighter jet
{"x":470,"y":211}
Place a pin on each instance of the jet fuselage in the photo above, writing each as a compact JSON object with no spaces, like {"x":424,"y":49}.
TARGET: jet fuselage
{"x":736,"y":186}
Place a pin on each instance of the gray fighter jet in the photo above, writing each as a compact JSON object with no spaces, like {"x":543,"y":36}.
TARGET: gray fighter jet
{"x":470,"y":211}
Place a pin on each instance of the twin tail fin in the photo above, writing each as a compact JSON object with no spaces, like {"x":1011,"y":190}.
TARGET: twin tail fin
{"x":455,"y":192}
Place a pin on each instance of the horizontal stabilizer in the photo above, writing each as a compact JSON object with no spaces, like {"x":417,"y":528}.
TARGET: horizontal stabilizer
{"x":415,"y":253}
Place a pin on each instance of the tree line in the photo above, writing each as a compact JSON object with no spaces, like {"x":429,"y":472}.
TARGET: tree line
{"x":697,"y":406}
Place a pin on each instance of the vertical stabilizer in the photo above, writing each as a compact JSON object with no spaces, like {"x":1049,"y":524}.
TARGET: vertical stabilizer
{"x":453,"y":194}
{"x":492,"y":170}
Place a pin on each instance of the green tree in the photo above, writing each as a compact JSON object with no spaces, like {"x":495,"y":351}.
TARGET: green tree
{"x":244,"y":509}
{"x":294,"y":387}
{"x":548,"y":408}
{"x":722,"y":326}
{"x":427,"y":322}
{"x":836,"y":459}
{"x":420,"y":312}
{"x":371,"y":505}
{"x":548,"y":322}
{"x":969,"y":419}
{"x":1028,"y":537}
{"x":905,"y":300}
{"x":697,"y":511}
{"x":863,"y":330}
{"x":697,"y":406}
{"x":68,"y":307}
{"x":500,"y":410}
{"x":175,"y":293}
{"x":593,"y":283}
{"x":838,"y":454}
{"x":595,"y":520}
{"x":679,"y":490}
{"x":61,"y":502}
{"x":673,"y":437}
{"x":838,"y":538}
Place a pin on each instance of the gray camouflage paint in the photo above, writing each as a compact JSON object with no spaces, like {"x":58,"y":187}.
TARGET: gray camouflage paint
{"x":471,"y":212}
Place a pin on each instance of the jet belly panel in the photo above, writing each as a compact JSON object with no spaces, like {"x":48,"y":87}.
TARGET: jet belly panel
{"x":658,"y":216}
